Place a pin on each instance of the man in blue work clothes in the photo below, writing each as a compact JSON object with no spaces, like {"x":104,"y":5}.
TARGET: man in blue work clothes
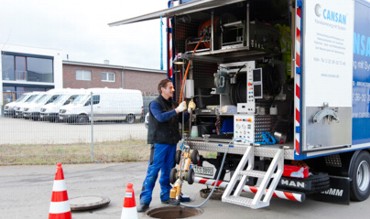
{"x":163,"y":134}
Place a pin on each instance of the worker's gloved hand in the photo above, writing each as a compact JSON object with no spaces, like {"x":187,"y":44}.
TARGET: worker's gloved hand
{"x":191,"y":106}
{"x":181,"y":107}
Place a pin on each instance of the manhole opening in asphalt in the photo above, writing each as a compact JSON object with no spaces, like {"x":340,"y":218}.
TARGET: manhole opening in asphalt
{"x":174,"y":212}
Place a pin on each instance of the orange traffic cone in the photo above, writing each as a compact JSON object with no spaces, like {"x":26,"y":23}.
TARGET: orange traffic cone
{"x":129,"y":204}
{"x":59,"y":206}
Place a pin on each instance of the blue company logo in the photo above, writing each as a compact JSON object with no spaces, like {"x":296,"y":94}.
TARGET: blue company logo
{"x":330,"y":15}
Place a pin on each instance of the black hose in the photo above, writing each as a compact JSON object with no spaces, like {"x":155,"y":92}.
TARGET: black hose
{"x":214,"y":187}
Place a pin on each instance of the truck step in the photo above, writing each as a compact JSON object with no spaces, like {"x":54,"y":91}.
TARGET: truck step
{"x":253,"y":173}
{"x":238,"y":200}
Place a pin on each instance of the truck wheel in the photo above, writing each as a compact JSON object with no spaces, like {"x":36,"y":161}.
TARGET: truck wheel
{"x":178,"y":156}
{"x":190,"y":176}
{"x":173,"y":175}
{"x":130,"y":118}
{"x":194,"y":156}
{"x":82,"y":119}
{"x":360,"y":175}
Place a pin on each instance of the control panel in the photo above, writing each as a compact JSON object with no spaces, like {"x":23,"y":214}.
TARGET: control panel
{"x":249,"y":128}
{"x":244,"y":128}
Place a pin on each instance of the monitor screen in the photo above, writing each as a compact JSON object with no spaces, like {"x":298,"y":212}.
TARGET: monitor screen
{"x":257,"y":75}
{"x":258,"y":93}
{"x":257,"y":83}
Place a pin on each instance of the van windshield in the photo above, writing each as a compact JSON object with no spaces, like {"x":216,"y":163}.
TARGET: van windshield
{"x":81,"y":99}
{"x":42,"y":98}
{"x":61,"y":98}
{"x":32,"y":98}
{"x":21,"y":98}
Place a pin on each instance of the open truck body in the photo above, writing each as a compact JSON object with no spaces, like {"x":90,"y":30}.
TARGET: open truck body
{"x":276,"y":77}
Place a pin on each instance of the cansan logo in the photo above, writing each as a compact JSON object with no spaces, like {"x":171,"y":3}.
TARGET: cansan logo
{"x":318,"y":10}
{"x":330,"y":15}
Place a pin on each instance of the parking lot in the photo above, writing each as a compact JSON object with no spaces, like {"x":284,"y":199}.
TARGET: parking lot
{"x":26,"y":193}
{"x":26,"y":190}
{"x":22,"y":131}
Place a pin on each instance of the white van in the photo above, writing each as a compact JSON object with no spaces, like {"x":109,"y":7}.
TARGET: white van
{"x":32,"y":110}
{"x":50,"y":111}
{"x":19,"y":107}
{"x":9,"y":107}
{"x":108,"y":105}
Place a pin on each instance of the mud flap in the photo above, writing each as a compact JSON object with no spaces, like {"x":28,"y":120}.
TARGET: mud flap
{"x":339,"y":191}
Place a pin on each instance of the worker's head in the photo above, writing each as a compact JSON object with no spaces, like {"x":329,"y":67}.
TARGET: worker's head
{"x":166,"y":89}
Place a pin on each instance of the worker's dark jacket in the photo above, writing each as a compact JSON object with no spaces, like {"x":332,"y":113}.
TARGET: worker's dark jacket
{"x":165,"y":132}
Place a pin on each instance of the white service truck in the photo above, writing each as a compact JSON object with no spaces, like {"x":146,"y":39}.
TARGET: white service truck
{"x":282,"y":87}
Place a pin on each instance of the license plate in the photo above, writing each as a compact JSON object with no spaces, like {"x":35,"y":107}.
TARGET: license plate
{"x":204,"y":171}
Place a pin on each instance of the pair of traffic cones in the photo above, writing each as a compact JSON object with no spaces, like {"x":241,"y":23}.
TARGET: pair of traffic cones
{"x":60,"y":208}
{"x":59,"y":205}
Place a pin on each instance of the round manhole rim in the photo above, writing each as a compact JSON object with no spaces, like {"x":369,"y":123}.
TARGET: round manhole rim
{"x":83,"y":203}
{"x":165,"y":210}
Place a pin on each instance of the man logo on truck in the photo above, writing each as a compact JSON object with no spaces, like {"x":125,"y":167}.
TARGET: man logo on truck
{"x":286,"y":182}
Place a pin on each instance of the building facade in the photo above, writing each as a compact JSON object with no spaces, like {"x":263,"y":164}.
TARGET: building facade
{"x":26,"y":69}
{"x":88,"y":75}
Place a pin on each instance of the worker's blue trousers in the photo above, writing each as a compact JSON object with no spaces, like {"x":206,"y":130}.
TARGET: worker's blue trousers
{"x":163,"y":160}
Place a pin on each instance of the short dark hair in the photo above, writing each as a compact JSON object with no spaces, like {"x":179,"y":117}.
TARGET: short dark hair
{"x":163,"y":83}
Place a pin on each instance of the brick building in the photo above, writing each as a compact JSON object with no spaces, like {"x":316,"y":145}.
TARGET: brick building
{"x":87,"y":75}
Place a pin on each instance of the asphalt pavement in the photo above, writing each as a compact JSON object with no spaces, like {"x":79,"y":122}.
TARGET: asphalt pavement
{"x":26,"y":193}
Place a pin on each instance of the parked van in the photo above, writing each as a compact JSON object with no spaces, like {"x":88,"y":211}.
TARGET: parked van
{"x":9,"y":107}
{"x":35,"y":96}
{"x":32,"y":110}
{"x":50,"y":111}
{"x":107,"y":105}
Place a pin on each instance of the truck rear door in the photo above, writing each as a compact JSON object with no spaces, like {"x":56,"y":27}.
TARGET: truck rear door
{"x":326,"y":74}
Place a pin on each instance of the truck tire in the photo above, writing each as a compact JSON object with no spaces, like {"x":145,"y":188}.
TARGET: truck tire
{"x":173,"y":175}
{"x":82,"y":119}
{"x":360,"y":175}
{"x":130,"y":118}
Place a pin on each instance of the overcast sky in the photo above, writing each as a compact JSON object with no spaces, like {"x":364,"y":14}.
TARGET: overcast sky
{"x":80,"y":29}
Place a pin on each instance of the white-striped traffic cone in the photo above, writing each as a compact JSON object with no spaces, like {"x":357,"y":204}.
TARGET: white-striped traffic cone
{"x":59,"y":205}
{"x":129,"y":205}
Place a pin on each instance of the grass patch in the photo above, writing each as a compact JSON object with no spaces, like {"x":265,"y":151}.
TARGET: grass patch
{"x":104,"y":152}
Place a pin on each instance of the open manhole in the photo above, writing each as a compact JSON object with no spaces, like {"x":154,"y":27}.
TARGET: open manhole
{"x":173,"y":212}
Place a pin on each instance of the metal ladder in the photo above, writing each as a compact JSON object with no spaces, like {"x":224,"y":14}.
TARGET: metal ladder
{"x":266,"y":188}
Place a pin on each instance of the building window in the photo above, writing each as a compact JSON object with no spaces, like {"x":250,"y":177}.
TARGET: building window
{"x":20,"y":67}
{"x":108,"y":77}
{"x":8,"y":67}
{"x":39,"y":69}
{"x":83,"y":75}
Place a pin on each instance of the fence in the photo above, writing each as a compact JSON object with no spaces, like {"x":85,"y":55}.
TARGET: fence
{"x":98,"y":136}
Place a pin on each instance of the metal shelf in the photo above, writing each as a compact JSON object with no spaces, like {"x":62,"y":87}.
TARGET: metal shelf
{"x":227,"y":55}
{"x":222,"y":145}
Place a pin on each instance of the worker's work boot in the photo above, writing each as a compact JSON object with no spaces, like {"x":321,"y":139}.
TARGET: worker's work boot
{"x":171,"y":201}
{"x":184,"y":198}
{"x":142,"y":208}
